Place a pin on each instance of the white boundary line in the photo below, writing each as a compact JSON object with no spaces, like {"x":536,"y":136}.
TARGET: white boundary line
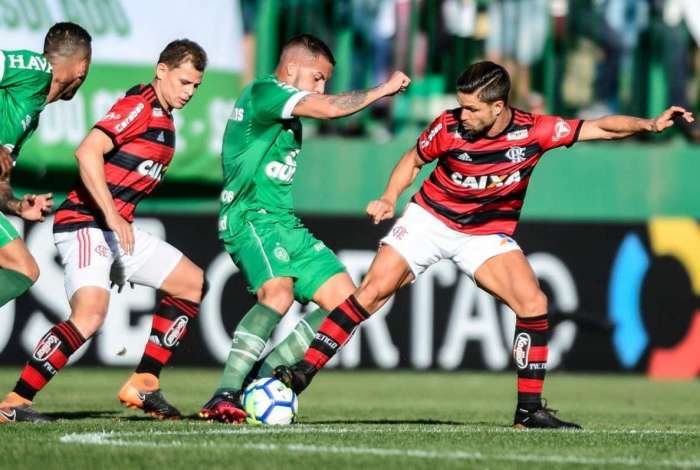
{"x":116,"y":439}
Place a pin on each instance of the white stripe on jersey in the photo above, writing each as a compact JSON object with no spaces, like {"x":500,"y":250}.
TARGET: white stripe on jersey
{"x":291,"y":103}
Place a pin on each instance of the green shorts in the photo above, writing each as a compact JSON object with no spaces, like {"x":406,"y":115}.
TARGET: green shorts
{"x":7,"y":231}
{"x":266,"y":248}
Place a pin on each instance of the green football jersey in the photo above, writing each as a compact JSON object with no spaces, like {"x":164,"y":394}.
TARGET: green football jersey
{"x":261,"y":144}
{"x":25,"y":80}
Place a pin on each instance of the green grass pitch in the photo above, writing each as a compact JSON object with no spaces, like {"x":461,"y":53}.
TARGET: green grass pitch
{"x":364,"y":420}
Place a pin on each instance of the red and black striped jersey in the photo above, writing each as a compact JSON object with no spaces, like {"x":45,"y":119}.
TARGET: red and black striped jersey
{"x":478,"y":186}
{"x":143,"y":134}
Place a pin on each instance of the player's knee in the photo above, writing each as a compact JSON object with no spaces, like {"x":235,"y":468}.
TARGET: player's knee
{"x":277,"y":296}
{"x":532,"y":304}
{"x":87,"y":322}
{"x":198,"y":284}
{"x":32,"y":271}
{"x":29,"y":268}
{"x":372,"y":294}
{"x":190,"y":287}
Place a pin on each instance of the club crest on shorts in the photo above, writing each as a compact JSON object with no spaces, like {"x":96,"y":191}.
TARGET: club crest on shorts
{"x":175,"y":332}
{"x":281,"y":254}
{"x":521,"y":350}
{"x":46,"y":347}
{"x":103,"y":250}
{"x":399,"y":232}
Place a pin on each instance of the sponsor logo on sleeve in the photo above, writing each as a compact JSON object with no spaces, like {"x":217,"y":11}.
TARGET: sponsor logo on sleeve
{"x":130,"y":118}
{"x":561,"y":130}
{"x":433,"y":132}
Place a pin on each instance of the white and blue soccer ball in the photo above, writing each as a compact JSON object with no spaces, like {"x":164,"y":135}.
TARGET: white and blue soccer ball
{"x":269,"y":401}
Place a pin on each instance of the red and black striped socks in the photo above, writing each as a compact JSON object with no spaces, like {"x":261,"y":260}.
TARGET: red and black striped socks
{"x":334,"y":332}
{"x":168,"y":328}
{"x":530,"y":356}
{"x":49,"y":356}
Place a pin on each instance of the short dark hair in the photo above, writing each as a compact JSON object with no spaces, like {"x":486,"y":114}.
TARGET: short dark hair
{"x":67,"y":39}
{"x":490,"y":80}
{"x":183,"y":50}
{"x":312,"y":44}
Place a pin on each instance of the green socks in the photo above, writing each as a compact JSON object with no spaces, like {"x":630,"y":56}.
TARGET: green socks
{"x":291,"y":350}
{"x":249,"y":340}
{"x":12,"y":285}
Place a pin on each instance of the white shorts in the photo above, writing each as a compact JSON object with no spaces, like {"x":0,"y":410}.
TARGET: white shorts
{"x":93,"y":257}
{"x":423,"y":240}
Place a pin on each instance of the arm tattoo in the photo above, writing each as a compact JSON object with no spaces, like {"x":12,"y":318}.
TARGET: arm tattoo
{"x":303,"y":98}
{"x":8,"y":201}
{"x":350,"y":100}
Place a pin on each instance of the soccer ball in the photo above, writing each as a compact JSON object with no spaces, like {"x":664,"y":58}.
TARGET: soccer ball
{"x":269,"y":401}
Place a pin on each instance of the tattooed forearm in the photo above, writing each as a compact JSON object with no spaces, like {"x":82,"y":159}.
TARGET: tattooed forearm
{"x":320,"y":106}
{"x":9,"y":204}
{"x":349,"y":100}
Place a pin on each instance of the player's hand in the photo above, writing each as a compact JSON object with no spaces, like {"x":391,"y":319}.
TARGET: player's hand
{"x":667,"y":118}
{"x":398,"y":82}
{"x":123,"y":230}
{"x":35,"y":206}
{"x":5,"y":163}
{"x":380,"y":209}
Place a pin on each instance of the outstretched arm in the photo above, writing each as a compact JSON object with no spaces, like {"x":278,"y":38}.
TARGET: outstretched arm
{"x":321,"y":106}
{"x":619,"y":127}
{"x":403,"y":175}
{"x":31,"y":206}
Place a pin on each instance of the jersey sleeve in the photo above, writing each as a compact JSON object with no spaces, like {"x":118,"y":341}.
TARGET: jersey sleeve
{"x":126,"y":120}
{"x":555,"y":131}
{"x":273,"y":100}
{"x":430,"y":144}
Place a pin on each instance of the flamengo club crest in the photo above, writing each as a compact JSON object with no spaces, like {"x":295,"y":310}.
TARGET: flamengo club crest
{"x":46,"y":347}
{"x":175,"y":332}
{"x":516,"y":154}
{"x":521,"y":350}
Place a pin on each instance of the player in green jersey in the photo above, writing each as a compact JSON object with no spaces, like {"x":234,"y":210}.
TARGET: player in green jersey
{"x":280,"y":259}
{"x":28,"y":82}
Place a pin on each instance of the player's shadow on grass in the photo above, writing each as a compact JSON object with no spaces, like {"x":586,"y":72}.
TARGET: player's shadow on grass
{"x":432,"y":422}
{"x":83,"y":414}
{"x":145,"y":417}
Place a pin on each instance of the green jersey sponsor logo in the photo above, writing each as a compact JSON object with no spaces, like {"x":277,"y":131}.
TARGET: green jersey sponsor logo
{"x":28,"y":62}
{"x":283,"y":171}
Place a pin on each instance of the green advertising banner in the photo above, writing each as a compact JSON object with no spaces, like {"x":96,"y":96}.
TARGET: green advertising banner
{"x":128,"y":36}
